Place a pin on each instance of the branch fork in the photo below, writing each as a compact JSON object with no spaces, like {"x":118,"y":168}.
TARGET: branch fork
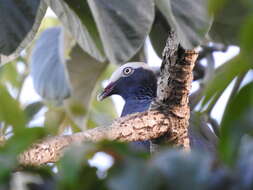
{"x":168,"y":115}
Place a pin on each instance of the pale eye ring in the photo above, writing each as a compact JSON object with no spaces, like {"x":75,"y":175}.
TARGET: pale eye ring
{"x":127,"y":71}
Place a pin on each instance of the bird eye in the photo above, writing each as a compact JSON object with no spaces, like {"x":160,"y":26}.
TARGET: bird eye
{"x":128,"y":71}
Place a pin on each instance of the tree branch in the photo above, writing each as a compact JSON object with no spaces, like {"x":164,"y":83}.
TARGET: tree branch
{"x":134,"y":127}
{"x":168,"y":116}
{"x":174,"y":88}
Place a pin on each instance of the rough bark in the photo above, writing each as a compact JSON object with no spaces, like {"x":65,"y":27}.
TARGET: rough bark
{"x":173,"y":90}
{"x":140,"y":126}
{"x":168,"y":116}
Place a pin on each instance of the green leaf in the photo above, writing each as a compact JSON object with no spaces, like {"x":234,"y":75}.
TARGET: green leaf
{"x":19,"y":22}
{"x":102,"y":112}
{"x":9,"y":74}
{"x":54,"y":119}
{"x":32,"y":109}
{"x":123,"y":26}
{"x":216,"y":5}
{"x":134,"y":174}
{"x":10,"y":111}
{"x":189,"y":19}
{"x":70,"y":166}
{"x":236,"y":122}
{"x":181,"y":170}
{"x":13,"y":147}
{"x":224,"y":75}
{"x":79,"y":28}
{"x":159,"y":32}
{"x":246,"y":37}
{"x":83,"y":71}
{"x":74,"y":171}
{"x":81,"y":8}
{"x":230,"y":12}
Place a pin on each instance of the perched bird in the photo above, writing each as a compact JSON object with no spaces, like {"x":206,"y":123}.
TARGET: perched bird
{"x":136,"y":83}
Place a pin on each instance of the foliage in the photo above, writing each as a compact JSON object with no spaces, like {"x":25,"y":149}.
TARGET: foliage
{"x":70,"y":55}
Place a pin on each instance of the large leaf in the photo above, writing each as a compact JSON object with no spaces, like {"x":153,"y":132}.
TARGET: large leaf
{"x":82,"y":29}
{"x":19,"y":21}
{"x":15,"y":146}
{"x":181,"y":170}
{"x":237,"y":121}
{"x":246,"y":38}
{"x":74,"y":172}
{"x":189,"y":19}
{"x":47,"y":66}
{"x":102,"y":112}
{"x":228,"y":20}
{"x":123,"y":26}
{"x":224,"y":75}
{"x":10,"y":111}
{"x":84,"y":72}
{"x":159,"y":32}
{"x":134,"y":174}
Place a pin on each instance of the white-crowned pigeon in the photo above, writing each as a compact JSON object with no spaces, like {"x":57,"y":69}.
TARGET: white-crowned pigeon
{"x":136,"y":83}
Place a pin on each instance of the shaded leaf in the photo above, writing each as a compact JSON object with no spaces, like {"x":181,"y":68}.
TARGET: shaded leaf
{"x":181,"y":170}
{"x":201,"y":136}
{"x":215,"y":6}
{"x":10,"y":111}
{"x":74,"y":171}
{"x":246,"y":38}
{"x":81,"y":8}
{"x":47,"y":66}
{"x":159,"y":32}
{"x":123,"y":26}
{"x":224,"y":75}
{"x":14,"y":146}
{"x":20,"y":21}
{"x":189,"y":19}
{"x":32,"y":109}
{"x":134,"y":174}
{"x":83,"y":71}
{"x":78,"y":28}
{"x":244,"y":164}
{"x":102,"y":112}
{"x":9,"y":74}
{"x":230,"y":12}
{"x":54,"y":119}
{"x":237,"y":121}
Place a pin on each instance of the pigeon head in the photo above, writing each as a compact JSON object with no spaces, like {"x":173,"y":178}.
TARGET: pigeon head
{"x":134,"y":80}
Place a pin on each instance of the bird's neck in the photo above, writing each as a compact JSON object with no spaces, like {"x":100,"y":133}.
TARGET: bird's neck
{"x":136,"y":105}
{"x":143,"y":92}
{"x":138,"y":99}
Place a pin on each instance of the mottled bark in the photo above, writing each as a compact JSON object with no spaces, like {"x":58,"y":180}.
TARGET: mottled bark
{"x":134,"y":127}
{"x":168,"y":116}
{"x":173,"y":90}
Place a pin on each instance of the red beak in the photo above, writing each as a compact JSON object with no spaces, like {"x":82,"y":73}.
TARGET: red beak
{"x":106,"y":92}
